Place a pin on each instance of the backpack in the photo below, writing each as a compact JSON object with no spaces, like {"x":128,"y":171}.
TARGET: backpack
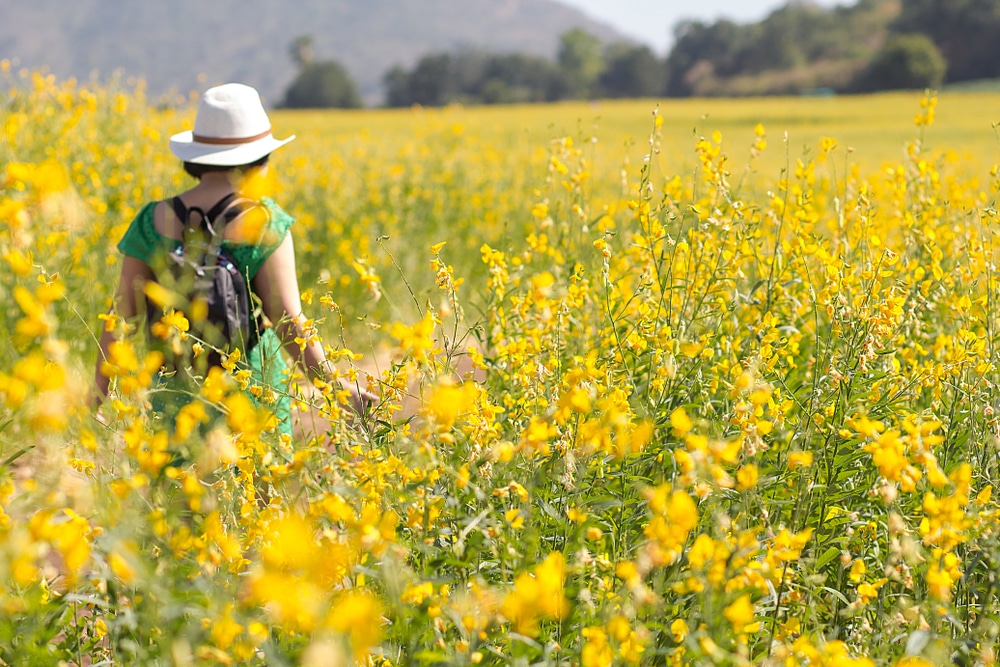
{"x":217,"y":299}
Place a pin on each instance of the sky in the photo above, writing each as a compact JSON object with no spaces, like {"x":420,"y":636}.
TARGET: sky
{"x":652,"y":21}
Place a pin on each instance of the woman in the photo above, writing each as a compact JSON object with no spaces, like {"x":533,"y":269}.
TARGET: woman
{"x":231,"y":138}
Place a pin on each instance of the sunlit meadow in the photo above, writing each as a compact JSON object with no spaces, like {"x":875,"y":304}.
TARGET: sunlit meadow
{"x":709,"y":382}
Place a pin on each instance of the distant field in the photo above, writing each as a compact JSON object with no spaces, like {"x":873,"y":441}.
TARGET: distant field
{"x":877,"y":127}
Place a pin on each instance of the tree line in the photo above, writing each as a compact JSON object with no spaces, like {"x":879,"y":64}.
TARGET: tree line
{"x":584,"y":68}
{"x":871,"y":45}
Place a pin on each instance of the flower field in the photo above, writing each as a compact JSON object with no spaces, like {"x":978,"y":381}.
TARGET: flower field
{"x":713,"y":383}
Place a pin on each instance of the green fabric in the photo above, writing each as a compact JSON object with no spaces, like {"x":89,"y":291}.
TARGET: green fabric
{"x":265,"y":361}
{"x":142,"y":241}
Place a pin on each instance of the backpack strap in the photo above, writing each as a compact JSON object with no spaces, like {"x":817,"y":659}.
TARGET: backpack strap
{"x":180,"y":210}
{"x":222,"y":208}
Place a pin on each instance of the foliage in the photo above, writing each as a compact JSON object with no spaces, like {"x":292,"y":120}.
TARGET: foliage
{"x":631,"y":72}
{"x":817,"y":47}
{"x":906,"y":61}
{"x":581,"y":71}
{"x":429,"y":84}
{"x":580,"y":60}
{"x":476,"y":78}
{"x":713,"y":58}
{"x":963,"y":30}
{"x":322,"y":85}
{"x":673,"y":413}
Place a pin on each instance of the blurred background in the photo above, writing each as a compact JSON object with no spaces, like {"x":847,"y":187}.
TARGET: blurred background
{"x":353,"y":53}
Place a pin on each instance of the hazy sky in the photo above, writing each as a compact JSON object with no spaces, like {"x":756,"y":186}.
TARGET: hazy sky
{"x":652,"y":21}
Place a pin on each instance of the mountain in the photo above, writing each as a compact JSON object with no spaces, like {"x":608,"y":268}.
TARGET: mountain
{"x":183,"y":45}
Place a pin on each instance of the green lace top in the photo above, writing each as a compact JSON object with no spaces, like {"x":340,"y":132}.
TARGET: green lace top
{"x":268,"y":367}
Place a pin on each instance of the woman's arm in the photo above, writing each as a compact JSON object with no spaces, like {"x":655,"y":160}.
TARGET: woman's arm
{"x":277,"y":286}
{"x":130,"y":285}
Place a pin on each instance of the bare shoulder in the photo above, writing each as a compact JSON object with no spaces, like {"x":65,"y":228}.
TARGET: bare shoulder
{"x":165,"y":222}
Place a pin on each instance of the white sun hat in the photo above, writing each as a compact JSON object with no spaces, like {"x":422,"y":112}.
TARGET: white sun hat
{"x":231,"y":129}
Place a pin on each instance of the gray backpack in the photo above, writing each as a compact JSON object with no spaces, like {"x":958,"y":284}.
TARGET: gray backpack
{"x":201,"y":268}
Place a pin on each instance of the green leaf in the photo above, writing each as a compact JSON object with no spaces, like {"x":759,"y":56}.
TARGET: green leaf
{"x":827,"y":556}
{"x":15,"y":456}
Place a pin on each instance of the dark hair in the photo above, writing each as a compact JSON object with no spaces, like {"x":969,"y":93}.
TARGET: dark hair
{"x":199,"y":170}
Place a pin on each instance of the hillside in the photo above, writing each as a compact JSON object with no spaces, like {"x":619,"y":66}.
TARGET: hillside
{"x":171,"y":43}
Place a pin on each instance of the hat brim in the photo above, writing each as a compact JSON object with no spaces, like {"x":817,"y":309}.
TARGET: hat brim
{"x":187,"y":149}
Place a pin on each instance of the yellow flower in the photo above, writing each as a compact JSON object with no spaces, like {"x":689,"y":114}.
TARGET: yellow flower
{"x":358,"y":615}
{"x":416,"y":340}
{"x":231,"y":360}
{"x":36,"y":321}
{"x":858,"y":570}
{"x":20,"y":264}
{"x":740,"y":613}
{"x":257,"y":184}
{"x":172,"y":323}
{"x":786,"y":546}
{"x":679,"y":629}
{"x":515,"y":518}
{"x":449,"y":401}
{"x":596,"y":651}
{"x":537,"y":435}
{"x":798,"y":460}
{"x":926,"y":115}
{"x":45,"y":178}
{"x":120,"y":565}
{"x":680,"y":421}
{"x":537,"y":595}
{"x":161,"y":296}
{"x":69,"y":533}
{"x":216,"y":385}
{"x":674,"y":517}
{"x":369,"y":279}
{"x":630,"y":646}
{"x":701,"y":551}
{"x":628,"y":572}
{"x":291,"y":544}
{"x":415,"y":594}
{"x":868,"y":592}
{"x":942,"y":575}
{"x":224,"y":629}
{"x":293,"y":600}
{"x":746,"y":477}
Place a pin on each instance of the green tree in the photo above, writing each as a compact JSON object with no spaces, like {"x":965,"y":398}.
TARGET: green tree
{"x":322,"y":85}
{"x":906,"y":62}
{"x":965,"y":32}
{"x":301,"y":50}
{"x":431,"y":83}
{"x":631,"y":71}
{"x":519,"y":77}
{"x":701,"y":46}
{"x":800,"y":44}
{"x":397,"y":91}
{"x":475,"y":77}
{"x":580,"y":61}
